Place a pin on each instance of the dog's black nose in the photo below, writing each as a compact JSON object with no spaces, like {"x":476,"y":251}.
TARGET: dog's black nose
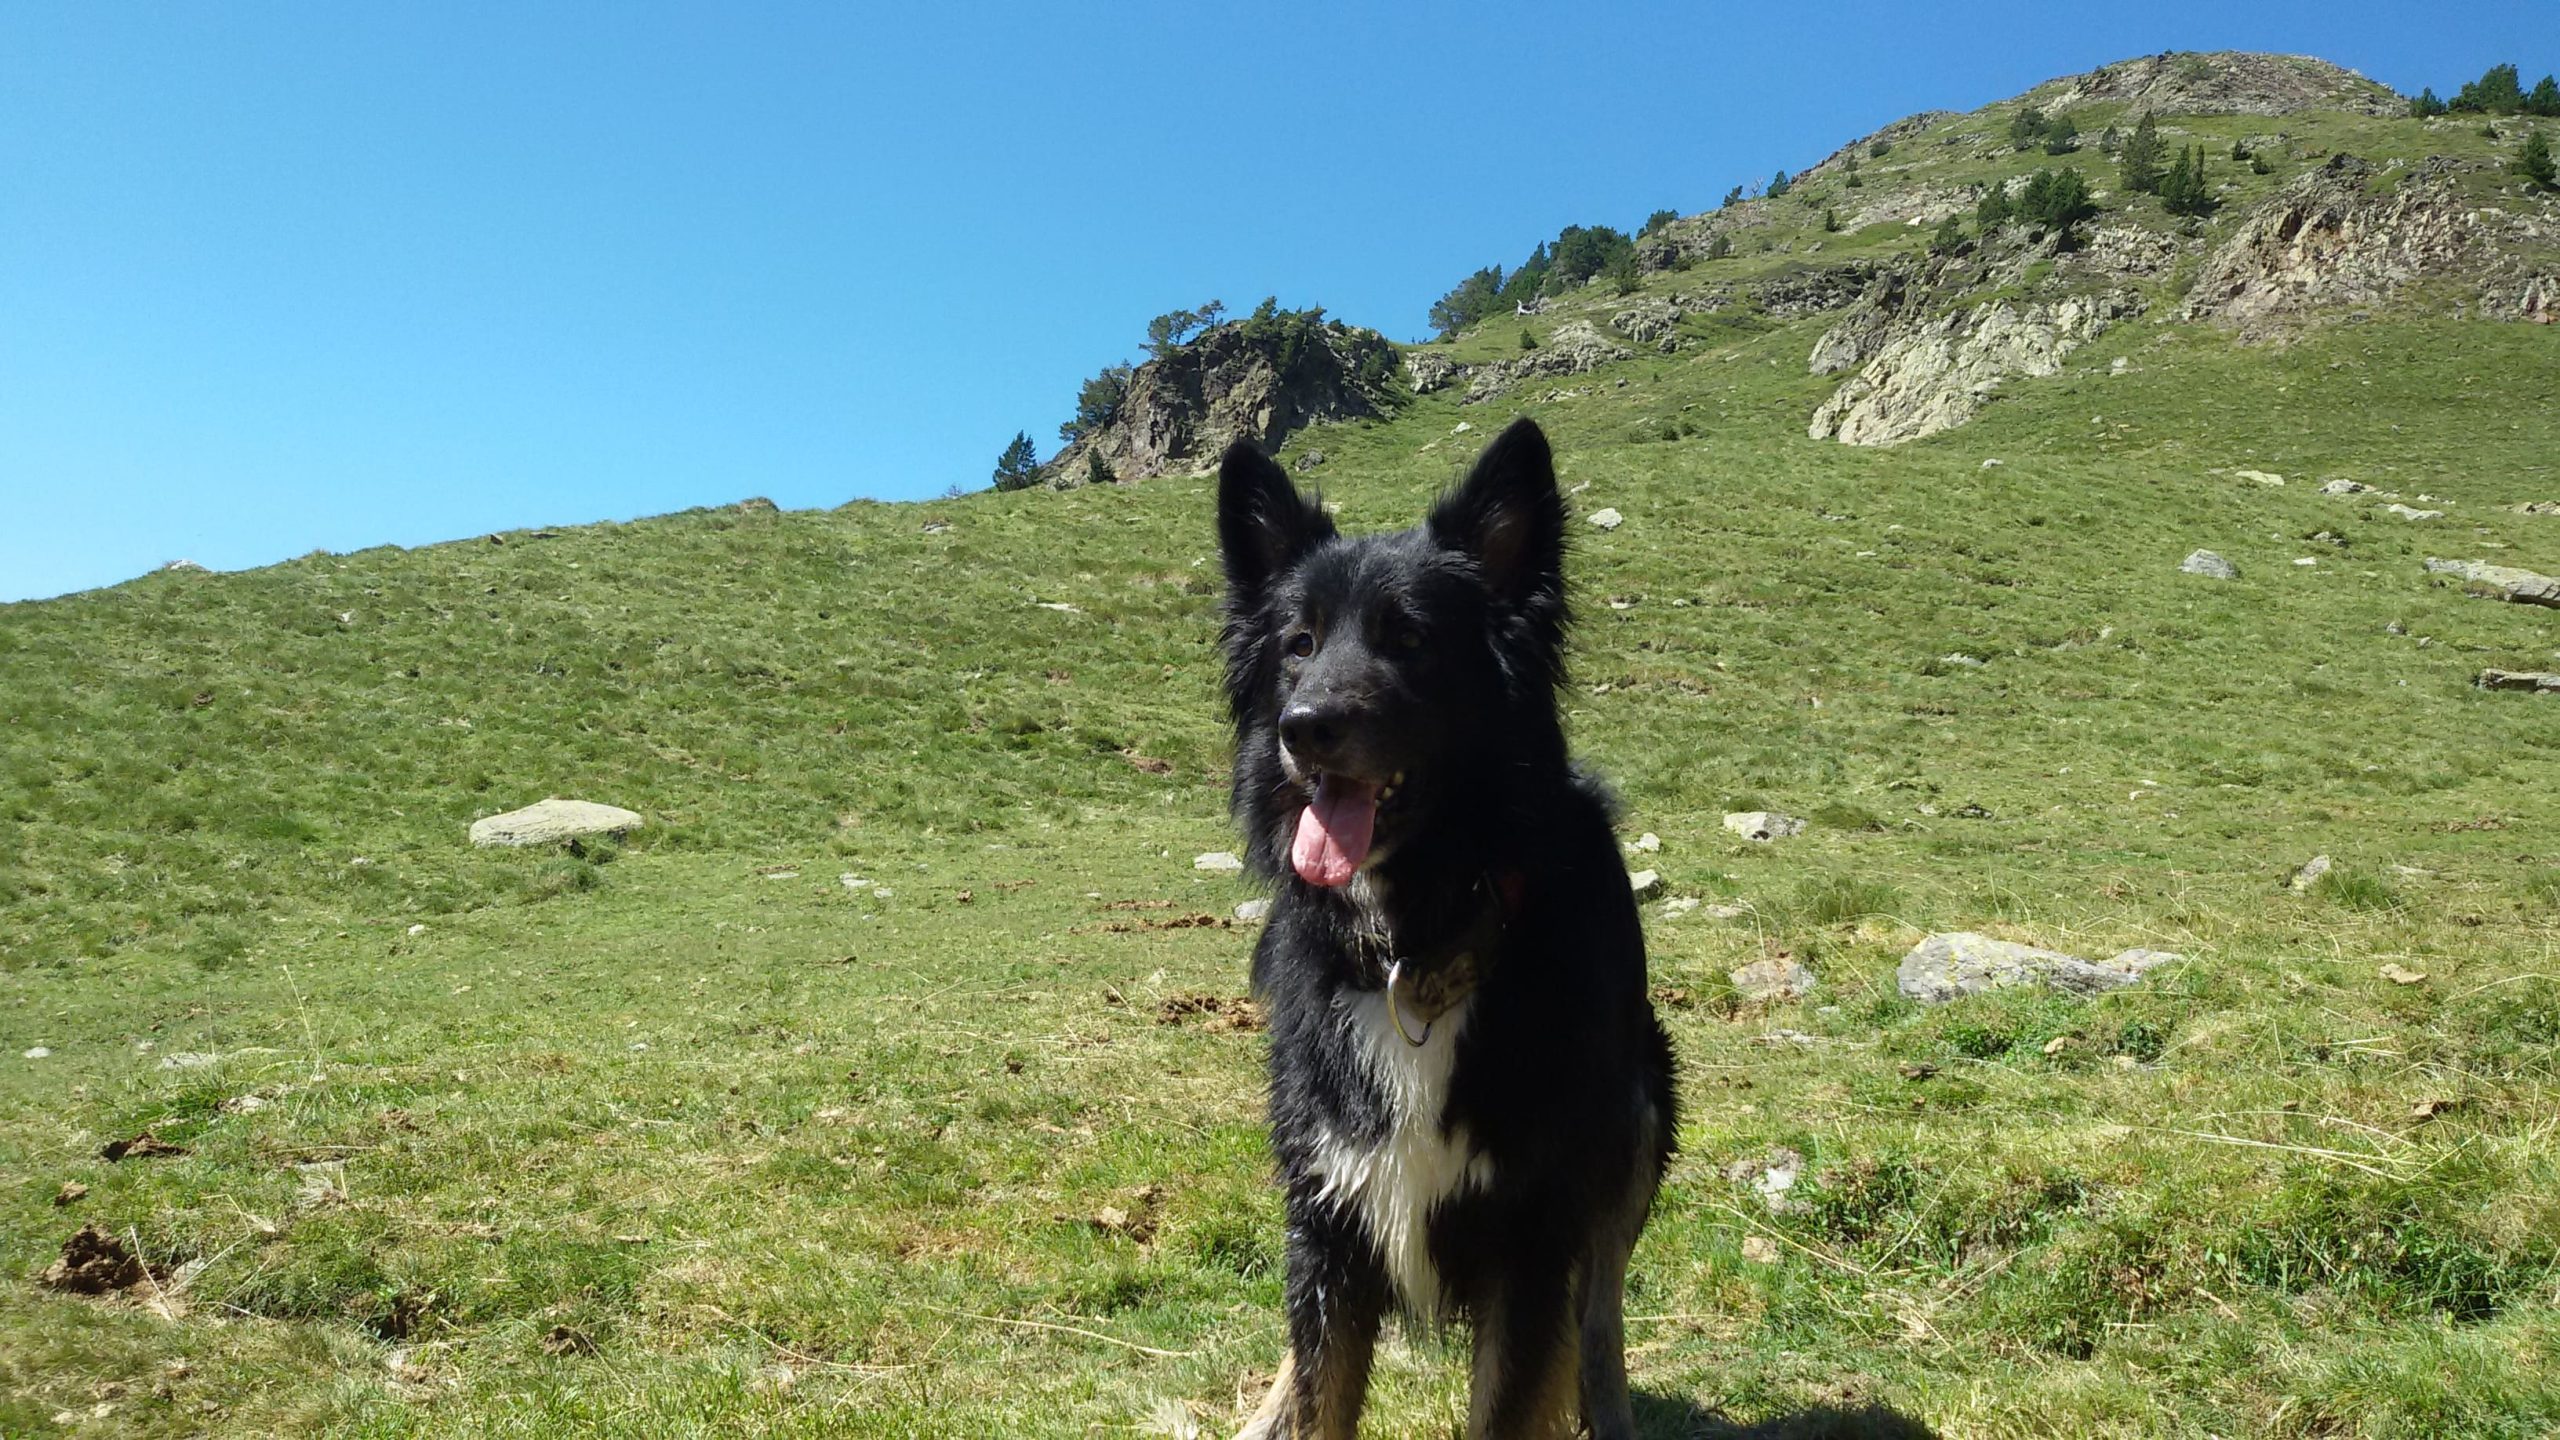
{"x":1315,"y":732}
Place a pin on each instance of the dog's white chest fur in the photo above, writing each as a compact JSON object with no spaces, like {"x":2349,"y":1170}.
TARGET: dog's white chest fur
{"x":1393,"y":1183}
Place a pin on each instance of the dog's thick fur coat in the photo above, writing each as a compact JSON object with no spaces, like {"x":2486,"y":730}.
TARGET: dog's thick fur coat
{"x":1471,"y":1100}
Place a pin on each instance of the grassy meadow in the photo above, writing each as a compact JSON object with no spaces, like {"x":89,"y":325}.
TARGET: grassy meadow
{"x":694,"y":1134}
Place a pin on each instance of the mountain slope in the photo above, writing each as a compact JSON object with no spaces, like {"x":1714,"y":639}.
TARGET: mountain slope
{"x":895,"y":1061}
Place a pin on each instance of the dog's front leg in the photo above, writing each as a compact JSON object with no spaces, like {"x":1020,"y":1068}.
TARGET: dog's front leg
{"x":1527,"y":1358}
{"x":1337,"y":1297}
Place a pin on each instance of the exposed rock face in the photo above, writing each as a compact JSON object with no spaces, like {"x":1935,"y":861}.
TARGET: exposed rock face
{"x":1812,"y":291}
{"x":1863,"y":331}
{"x":1237,"y":381}
{"x":551,"y":821}
{"x":1937,"y":376}
{"x":1950,"y":967}
{"x":1648,"y":321}
{"x":2540,"y":682}
{"x":1427,"y":371}
{"x":1576,"y":348}
{"x":2225,"y":82}
{"x":2325,"y":242}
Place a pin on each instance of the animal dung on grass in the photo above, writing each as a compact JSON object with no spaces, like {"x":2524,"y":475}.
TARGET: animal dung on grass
{"x":94,"y":1262}
{"x":1952,"y":966}
{"x":552,"y":821}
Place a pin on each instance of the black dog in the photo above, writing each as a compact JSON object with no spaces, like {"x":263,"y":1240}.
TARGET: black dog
{"x":1471,"y":1100}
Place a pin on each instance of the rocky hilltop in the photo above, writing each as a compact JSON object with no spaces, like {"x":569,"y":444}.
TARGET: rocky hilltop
{"x":1947,"y":258}
{"x":1262,"y":379}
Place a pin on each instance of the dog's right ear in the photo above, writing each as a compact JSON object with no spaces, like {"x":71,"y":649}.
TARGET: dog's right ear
{"x":1264,"y":524}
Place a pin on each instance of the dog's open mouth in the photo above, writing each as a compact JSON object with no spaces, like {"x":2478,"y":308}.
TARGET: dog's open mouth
{"x":1337,"y":828}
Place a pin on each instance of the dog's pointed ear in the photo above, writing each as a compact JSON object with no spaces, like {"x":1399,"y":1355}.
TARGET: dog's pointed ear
{"x":1508,"y":515}
{"x":1264,"y":524}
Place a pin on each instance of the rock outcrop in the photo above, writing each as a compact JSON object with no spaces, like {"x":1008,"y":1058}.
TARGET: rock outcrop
{"x":1261,"y":379}
{"x":1575,"y":348}
{"x":2500,"y":582}
{"x":2223,"y":82}
{"x":2328,"y":242}
{"x":1952,"y":966}
{"x":1936,"y":376}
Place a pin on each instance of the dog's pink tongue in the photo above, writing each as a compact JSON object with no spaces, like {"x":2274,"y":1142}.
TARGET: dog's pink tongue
{"x":1333,"y":832}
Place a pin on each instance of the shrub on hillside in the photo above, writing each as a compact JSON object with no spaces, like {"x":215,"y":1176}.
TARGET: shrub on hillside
{"x":1779,"y":184}
{"x":2056,"y":201}
{"x":2426,"y":105}
{"x":2061,"y":137}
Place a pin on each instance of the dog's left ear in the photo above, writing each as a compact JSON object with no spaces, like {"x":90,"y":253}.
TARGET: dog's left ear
{"x":1508,"y":515}
{"x":1264,"y":524}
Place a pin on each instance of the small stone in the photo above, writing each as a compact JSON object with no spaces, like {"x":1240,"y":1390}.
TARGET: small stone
{"x":1462,"y":427}
{"x":1970,"y":662}
{"x":2399,"y":974}
{"x":2120,"y":366}
{"x":2344,"y":487}
{"x":1648,"y":842}
{"x":1678,"y":905}
{"x":71,"y":1193}
{"x":567,"y":1340}
{"x":2260,"y":477}
{"x":1775,"y":979}
{"x":1222,"y":862}
{"x":1763,"y":825}
{"x":1991,"y":464}
{"x":1760,"y":1250}
{"x":2407,"y":513}
{"x":417,"y":930}
{"x":244,"y":1105}
{"x":1607,"y":519}
{"x":38,"y":1052}
{"x":2310,"y":872}
{"x":1645,"y":883}
{"x":2209,"y":565}
{"x":1254,"y":912}
{"x":1727,"y":912}
{"x":2307,"y":560}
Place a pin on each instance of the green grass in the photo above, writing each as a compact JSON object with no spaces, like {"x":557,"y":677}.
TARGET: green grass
{"x":808,"y":1157}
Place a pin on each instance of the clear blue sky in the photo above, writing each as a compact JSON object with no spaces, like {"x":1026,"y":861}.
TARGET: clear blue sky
{"x":281,"y":276}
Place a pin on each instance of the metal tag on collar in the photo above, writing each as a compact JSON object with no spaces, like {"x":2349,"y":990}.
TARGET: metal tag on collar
{"x":1395,"y":1016}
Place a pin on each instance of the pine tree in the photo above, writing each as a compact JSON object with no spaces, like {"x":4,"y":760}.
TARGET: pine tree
{"x":2534,"y":164}
{"x":2545,"y":99}
{"x":2138,"y":167}
{"x":1779,"y":184}
{"x":1732,"y":198}
{"x":1949,"y":237}
{"x":2061,"y":137}
{"x":2026,"y":128}
{"x":2426,"y":105}
{"x":2184,"y":189}
{"x":1720,"y":247}
{"x":1830,"y":220}
{"x":1019,"y":465}
{"x":2498,"y":92}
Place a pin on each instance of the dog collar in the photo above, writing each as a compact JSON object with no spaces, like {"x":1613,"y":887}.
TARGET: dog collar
{"x":1432,"y":990}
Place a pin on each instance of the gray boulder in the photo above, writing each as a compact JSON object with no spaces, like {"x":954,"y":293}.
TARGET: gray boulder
{"x":2209,"y":565}
{"x":1952,"y":966}
{"x":2500,"y":582}
{"x":2540,"y":682}
{"x":552,"y":821}
{"x":1427,"y":370}
{"x":1763,"y":825}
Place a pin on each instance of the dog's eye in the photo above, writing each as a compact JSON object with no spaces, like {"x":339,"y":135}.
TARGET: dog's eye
{"x":1303,"y":644}
{"x":1409,"y":636}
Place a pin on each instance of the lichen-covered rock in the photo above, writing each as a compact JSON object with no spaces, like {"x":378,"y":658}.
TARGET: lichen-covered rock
{"x":1428,"y":370}
{"x":1937,"y":376}
{"x":2500,"y":582}
{"x":1648,"y":321}
{"x":1952,"y":966}
{"x":552,"y":821}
